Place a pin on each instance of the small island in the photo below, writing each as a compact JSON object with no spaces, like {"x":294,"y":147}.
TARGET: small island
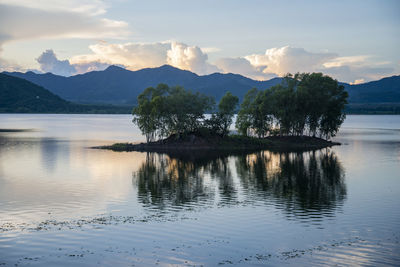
{"x":302,"y":113}
{"x":231,"y":143}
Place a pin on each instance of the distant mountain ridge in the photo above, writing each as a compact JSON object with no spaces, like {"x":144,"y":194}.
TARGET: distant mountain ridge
{"x":116,"y":85}
{"x":385,"y":90}
{"x":119,"y":86}
{"x":18,"y":95}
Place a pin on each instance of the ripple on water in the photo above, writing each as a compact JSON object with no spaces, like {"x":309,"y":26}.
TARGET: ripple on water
{"x":62,"y":204}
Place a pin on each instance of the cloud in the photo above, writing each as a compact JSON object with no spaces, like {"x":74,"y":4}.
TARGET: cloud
{"x":136,"y":56}
{"x":289,"y":59}
{"x":354,"y":74}
{"x":275,"y":61}
{"x":358,"y":81}
{"x":19,"y":23}
{"x":244,"y":67}
{"x":6,"y":65}
{"x":132,"y":55}
{"x":26,"y":19}
{"x":279,"y":61}
{"x":49,"y":63}
{"x":92,"y":7}
{"x":343,"y":61}
{"x":357,"y":69}
{"x":209,"y":50}
{"x":90,"y":66}
{"x":189,"y":58}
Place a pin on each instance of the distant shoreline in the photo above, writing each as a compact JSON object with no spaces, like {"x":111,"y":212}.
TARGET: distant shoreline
{"x":366,"y":111}
{"x":15,"y":130}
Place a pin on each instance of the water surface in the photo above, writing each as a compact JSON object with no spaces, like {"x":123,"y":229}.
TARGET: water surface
{"x":63,"y":204}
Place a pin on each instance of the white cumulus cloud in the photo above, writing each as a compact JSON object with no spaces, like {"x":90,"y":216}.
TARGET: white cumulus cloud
{"x":243,"y":66}
{"x":282,"y":60}
{"x":289,"y":59}
{"x":189,"y":58}
{"x":133,"y":56}
{"x":274,"y":62}
{"x":136,"y":56}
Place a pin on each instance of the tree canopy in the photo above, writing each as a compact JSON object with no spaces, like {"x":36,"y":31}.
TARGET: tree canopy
{"x":303,"y":104}
{"x":221,"y":120}
{"x":163,"y":111}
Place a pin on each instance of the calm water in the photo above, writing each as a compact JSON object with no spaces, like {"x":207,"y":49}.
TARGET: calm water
{"x":62,"y":204}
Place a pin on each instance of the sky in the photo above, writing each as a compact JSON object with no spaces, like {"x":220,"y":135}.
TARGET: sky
{"x":352,"y":41}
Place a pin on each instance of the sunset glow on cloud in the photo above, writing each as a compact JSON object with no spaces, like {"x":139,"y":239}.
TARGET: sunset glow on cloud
{"x":111,"y":37}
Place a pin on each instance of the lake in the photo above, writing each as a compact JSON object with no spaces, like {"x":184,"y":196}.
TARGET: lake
{"x":64,"y":204}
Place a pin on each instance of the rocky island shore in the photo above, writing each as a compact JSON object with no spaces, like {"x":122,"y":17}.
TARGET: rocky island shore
{"x":195,"y":141}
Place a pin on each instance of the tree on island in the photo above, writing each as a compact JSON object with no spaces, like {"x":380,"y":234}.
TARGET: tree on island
{"x":303,"y":104}
{"x":220,"y":121}
{"x":164,"y":111}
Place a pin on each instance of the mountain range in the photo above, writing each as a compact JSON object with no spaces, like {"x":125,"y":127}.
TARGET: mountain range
{"x":118,"y":86}
{"x":21,"y":96}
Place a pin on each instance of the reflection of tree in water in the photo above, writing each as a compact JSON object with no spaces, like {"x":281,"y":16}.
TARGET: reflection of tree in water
{"x":220,"y":172}
{"x":163,"y":181}
{"x":302,"y":184}
{"x":307,"y":183}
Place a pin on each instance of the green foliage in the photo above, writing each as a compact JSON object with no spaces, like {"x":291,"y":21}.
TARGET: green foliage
{"x":220,"y":122}
{"x":163,"y":111}
{"x":302,"y":104}
{"x":324,"y":103}
{"x":185,"y":110}
{"x":262,"y":110}
{"x":244,"y":119}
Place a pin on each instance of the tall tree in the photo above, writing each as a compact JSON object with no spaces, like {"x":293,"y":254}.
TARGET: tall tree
{"x":307,"y":102}
{"x":163,"y":111}
{"x":333,"y":115}
{"x":145,"y":115}
{"x":244,"y":119}
{"x":186,"y":110}
{"x":222,"y":120}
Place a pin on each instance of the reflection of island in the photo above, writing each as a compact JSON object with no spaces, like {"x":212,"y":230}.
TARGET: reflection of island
{"x":308,"y":183}
{"x":302,"y":184}
{"x":164,"y":182}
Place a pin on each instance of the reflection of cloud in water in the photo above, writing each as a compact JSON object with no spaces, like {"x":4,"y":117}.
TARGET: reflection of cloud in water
{"x":48,"y":178}
{"x":304,"y":185}
{"x":50,"y":152}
